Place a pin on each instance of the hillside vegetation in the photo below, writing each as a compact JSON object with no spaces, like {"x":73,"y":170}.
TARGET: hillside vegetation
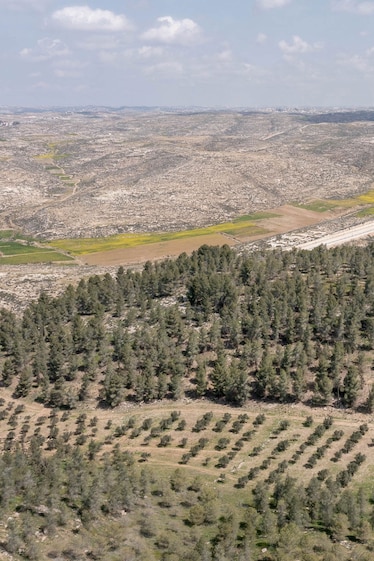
{"x":211,"y":407}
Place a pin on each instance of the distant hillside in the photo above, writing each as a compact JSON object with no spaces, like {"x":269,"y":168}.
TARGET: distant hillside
{"x":95,"y":172}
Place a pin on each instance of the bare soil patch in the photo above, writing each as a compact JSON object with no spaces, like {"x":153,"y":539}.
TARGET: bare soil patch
{"x":292,"y":218}
{"x":288,"y":218}
{"x":142,"y":253}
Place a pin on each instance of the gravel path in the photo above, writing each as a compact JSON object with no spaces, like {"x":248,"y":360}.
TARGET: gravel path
{"x":344,"y":236}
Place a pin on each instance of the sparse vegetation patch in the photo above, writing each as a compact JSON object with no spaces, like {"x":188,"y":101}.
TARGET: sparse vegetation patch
{"x":83,"y":246}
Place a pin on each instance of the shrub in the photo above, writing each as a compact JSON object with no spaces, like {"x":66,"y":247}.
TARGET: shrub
{"x":281,"y":446}
{"x":135,"y":432}
{"x":327,"y":422}
{"x":242,"y":482}
{"x":181,"y":425}
{"x":202,"y":442}
{"x":259,"y":420}
{"x":219,"y":426}
{"x":248,"y":435}
{"x":185,"y":458}
{"x":174,"y":415}
{"x":223,"y":462}
{"x":265,"y":464}
{"x":363,"y":428}
{"x":238,"y":444}
{"x":236,"y":426}
{"x":222,"y":443}
{"x":253,"y":472}
{"x":337,"y":434}
{"x":256,"y":450}
{"x":165,"y":441}
{"x":203,"y":422}
{"x":323,"y":474}
{"x":146,"y":425}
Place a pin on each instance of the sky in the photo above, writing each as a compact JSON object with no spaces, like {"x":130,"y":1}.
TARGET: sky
{"x":207,"y":53}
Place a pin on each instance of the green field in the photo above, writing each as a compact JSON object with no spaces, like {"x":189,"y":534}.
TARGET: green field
{"x":367,"y":198}
{"x":13,"y":252}
{"x":366,"y":212}
{"x":322,"y":205}
{"x":242,"y":226}
{"x":6,"y":234}
{"x":40,"y":257}
{"x":255,"y":216}
{"x":15,"y":248}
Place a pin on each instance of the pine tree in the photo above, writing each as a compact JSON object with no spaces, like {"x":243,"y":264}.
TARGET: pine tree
{"x":283,"y":384}
{"x":24,"y":383}
{"x":201,"y":379}
{"x":219,"y":375}
{"x":237,"y":389}
{"x":113,"y":391}
{"x":298,"y":384}
{"x":323,"y":383}
{"x":370,"y":400}
{"x":9,"y":371}
{"x":351,"y":387}
{"x":263,"y":376}
{"x":39,"y":363}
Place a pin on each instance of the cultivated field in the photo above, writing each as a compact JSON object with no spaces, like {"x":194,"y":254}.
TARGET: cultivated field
{"x":189,"y":454}
{"x":234,"y":446}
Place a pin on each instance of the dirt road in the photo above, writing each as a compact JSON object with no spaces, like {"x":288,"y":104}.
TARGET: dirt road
{"x":343,"y":236}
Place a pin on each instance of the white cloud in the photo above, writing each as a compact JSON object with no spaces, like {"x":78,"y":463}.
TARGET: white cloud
{"x":358,"y":63}
{"x":363,"y":63}
{"x":143,"y":55}
{"x":298,"y":46}
{"x":108,"y":57}
{"x":165,"y":69}
{"x":138,"y":55}
{"x":261,"y":38}
{"x":183,"y":31}
{"x":83,"y":18}
{"x":354,"y":6}
{"x":63,"y":73}
{"x":252,"y":71}
{"x":46,"y":49}
{"x":68,"y":68}
{"x":269,"y":4}
{"x":225,"y":55}
{"x":150,"y":52}
{"x":99,"y":42}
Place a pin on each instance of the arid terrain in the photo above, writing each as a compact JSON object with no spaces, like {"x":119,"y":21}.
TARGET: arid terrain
{"x":87,"y":174}
{"x":98,"y":173}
